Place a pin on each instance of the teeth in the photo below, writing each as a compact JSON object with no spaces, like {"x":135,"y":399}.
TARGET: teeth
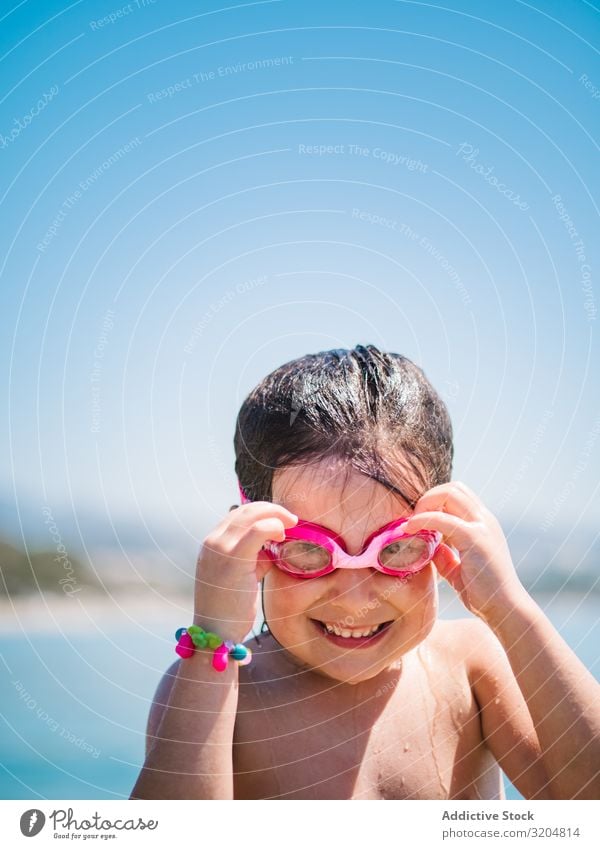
{"x":348,"y":632}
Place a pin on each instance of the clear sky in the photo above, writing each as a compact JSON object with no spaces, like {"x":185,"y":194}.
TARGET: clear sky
{"x":191,"y":198}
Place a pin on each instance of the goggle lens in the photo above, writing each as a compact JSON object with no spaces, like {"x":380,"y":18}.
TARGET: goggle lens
{"x":403,"y":554}
{"x":302,"y":557}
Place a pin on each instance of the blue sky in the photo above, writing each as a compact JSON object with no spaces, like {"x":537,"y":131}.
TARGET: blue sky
{"x":203,"y":196}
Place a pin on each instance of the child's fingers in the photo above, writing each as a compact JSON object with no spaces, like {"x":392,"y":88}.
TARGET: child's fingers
{"x":454,"y":530}
{"x":455,"y":552}
{"x":245,"y":546}
{"x":264,"y":564}
{"x":446,"y":562}
{"x":236,"y":523}
{"x":453,"y":497}
{"x":468,"y":491}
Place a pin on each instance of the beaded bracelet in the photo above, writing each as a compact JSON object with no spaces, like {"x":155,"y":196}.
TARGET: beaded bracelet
{"x":193,"y":637}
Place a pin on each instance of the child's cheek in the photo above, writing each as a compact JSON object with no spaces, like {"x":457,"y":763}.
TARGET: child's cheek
{"x":420,"y":604}
{"x":417,"y":591}
{"x":285,"y":596}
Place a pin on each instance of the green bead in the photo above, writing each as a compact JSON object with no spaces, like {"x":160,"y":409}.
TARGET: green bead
{"x":214,"y":641}
{"x":239,"y":652}
{"x":198,"y":636}
{"x":202,"y":638}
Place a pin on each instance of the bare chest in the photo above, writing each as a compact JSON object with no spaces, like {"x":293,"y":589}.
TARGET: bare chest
{"x":396,"y":743}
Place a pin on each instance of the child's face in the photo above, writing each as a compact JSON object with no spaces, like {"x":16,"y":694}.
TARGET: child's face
{"x":351,"y":598}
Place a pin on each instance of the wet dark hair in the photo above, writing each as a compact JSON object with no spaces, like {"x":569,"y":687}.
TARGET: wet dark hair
{"x":374,"y":410}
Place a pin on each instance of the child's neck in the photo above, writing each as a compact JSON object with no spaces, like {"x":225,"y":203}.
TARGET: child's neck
{"x":363,"y":690}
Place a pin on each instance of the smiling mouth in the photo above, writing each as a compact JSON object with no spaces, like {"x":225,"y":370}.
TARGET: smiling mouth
{"x":350,"y":635}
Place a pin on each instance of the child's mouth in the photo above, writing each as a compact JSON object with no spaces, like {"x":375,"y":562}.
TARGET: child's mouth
{"x":350,"y":638}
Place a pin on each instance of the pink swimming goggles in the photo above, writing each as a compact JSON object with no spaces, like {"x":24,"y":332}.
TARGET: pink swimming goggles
{"x":310,"y":550}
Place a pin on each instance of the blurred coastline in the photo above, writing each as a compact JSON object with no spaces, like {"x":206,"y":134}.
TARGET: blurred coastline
{"x":96,"y":612}
{"x":120,"y":574}
{"x":121,"y":578}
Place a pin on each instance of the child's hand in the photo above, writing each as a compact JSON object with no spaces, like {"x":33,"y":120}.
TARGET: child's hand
{"x":230,"y":567}
{"x":484,"y":576}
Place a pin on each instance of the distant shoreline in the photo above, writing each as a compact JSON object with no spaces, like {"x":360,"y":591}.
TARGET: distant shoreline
{"x":92,"y":612}
{"x":56,"y":612}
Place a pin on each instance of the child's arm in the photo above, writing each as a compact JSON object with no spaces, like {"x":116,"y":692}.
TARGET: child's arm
{"x":562,"y":697}
{"x":507,"y":726}
{"x":191,"y":723}
{"x":190,"y":733}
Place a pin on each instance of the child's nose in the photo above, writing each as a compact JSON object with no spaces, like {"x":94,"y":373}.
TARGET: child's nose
{"x":354,"y":587}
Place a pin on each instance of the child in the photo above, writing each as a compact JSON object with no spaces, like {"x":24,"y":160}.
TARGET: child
{"x":359,"y":691}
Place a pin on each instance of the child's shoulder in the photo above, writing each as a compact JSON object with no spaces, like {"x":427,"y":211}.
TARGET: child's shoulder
{"x":468,"y":640}
{"x":458,"y":629}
